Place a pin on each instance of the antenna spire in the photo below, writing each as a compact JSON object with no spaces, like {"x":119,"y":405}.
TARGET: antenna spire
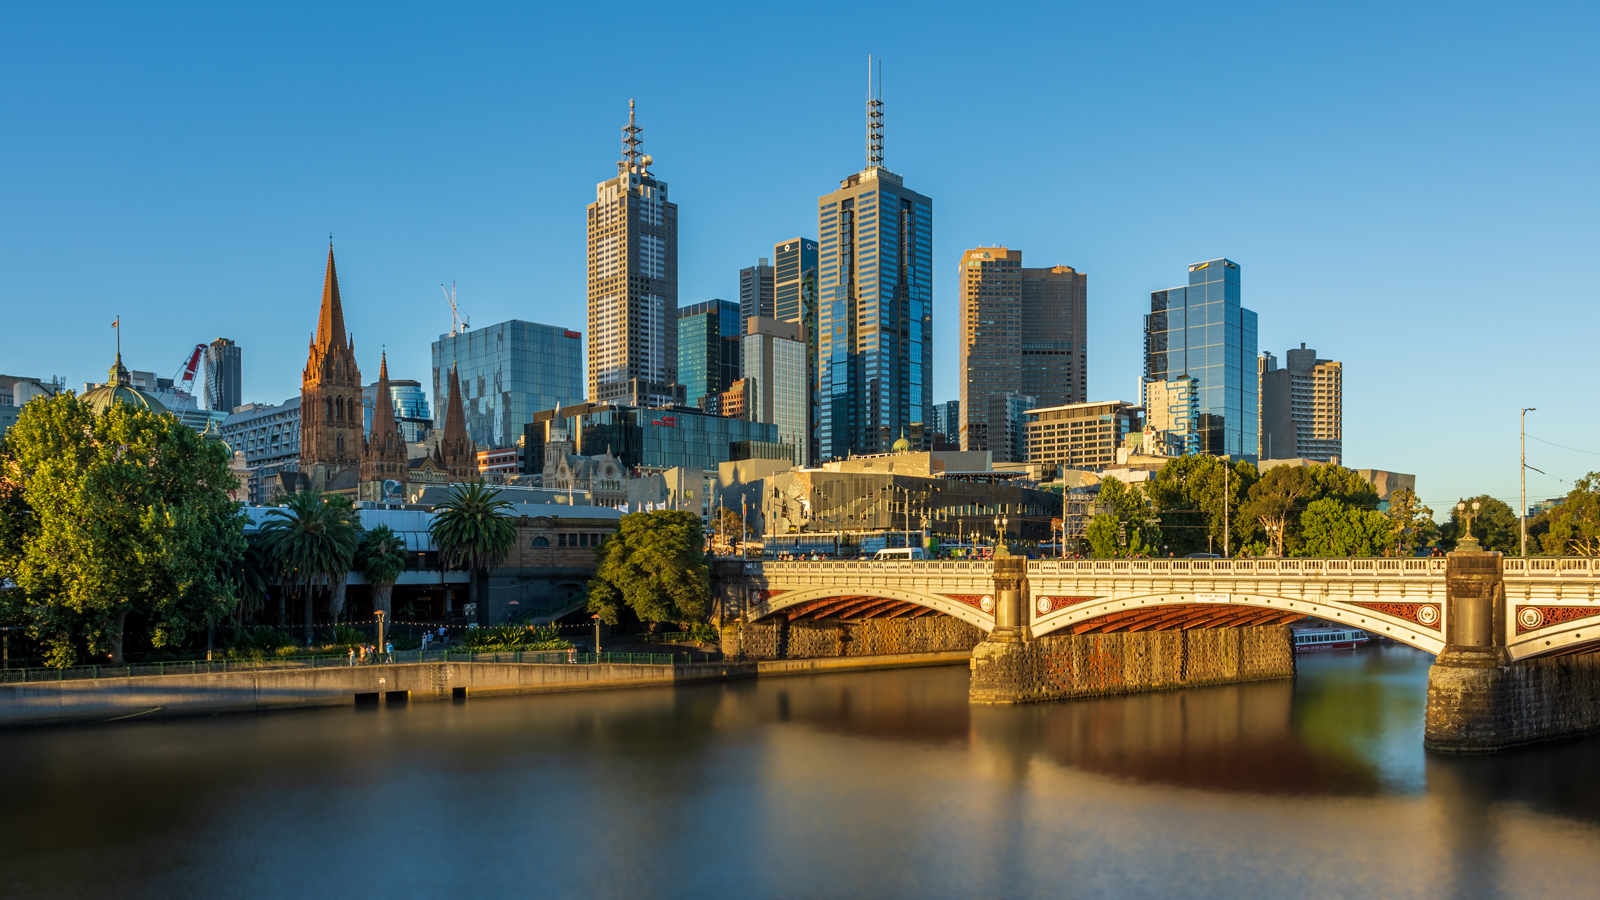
{"x":630,"y":142}
{"x":874,"y":116}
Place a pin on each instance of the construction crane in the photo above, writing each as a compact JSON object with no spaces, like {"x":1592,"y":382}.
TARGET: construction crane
{"x":458,"y":322}
{"x":183,"y":379}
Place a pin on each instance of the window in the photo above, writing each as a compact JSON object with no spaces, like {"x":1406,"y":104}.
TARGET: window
{"x":541,"y":541}
{"x":561,"y":540}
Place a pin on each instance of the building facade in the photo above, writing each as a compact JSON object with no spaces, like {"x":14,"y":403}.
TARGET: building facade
{"x":1201,"y":330}
{"x":1172,"y":415}
{"x":947,"y":421}
{"x":1082,"y":435}
{"x":708,"y":348}
{"x":223,"y":375}
{"x":507,"y":372}
{"x":269,"y":437}
{"x":875,"y":307}
{"x":1008,"y":426}
{"x":756,"y":287}
{"x":1022,"y":330}
{"x":1302,"y":407}
{"x":633,"y":276}
{"x":777,"y":382}
{"x":795,"y":300}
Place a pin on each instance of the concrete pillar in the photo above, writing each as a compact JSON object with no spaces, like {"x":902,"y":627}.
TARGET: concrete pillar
{"x":1469,"y":685}
{"x":1011,"y":602}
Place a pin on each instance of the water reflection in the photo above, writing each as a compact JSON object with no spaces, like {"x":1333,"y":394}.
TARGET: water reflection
{"x":865,"y":784}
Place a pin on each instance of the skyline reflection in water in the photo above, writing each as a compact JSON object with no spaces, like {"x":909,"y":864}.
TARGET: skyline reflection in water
{"x":881,"y":784}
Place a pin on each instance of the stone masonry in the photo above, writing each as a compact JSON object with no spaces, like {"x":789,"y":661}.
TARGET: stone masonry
{"x":777,"y":638}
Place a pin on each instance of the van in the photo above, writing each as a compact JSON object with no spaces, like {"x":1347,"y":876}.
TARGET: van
{"x":900,"y":553}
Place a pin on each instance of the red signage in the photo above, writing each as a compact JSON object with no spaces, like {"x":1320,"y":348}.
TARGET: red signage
{"x":669,"y":421}
{"x":574,"y":334}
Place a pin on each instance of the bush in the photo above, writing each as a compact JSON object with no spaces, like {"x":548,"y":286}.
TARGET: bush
{"x":260,"y":641}
{"x":515,"y":637}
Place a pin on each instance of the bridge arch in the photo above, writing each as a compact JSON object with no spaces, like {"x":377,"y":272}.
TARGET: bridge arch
{"x":858,"y":600}
{"x":1417,"y":621}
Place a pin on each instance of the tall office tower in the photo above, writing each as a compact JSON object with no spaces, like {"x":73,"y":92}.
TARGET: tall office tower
{"x":507,"y":372}
{"x":756,"y":290}
{"x":1201,"y":330}
{"x":1022,"y":330}
{"x":633,"y":280}
{"x":708,"y":348}
{"x":795,"y":300}
{"x":875,"y":309}
{"x":1007,"y":425}
{"x":222,"y":375}
{"x":947,"y":420}
{"x":777,"y":384}
{"x":1302,"y":407}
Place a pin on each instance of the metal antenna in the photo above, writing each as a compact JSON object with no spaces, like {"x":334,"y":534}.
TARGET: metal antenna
{"x":874,"y":117}
{"x":630,"y":142}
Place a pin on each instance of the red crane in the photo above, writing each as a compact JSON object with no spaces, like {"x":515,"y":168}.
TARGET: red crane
{"x":183,"y":380}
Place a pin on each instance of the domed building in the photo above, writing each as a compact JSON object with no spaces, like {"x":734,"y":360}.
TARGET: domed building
{"x":120,"y":389}
{"x":902,"y":445}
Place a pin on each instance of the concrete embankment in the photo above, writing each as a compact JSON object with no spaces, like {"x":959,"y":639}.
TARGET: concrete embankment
{"x":115,"y":699}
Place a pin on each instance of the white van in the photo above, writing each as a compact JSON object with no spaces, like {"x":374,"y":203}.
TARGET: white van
{"x":900,"y":553}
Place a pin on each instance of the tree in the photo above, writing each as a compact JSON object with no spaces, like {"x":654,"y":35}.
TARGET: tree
{"x":1333,"y":528}
{"x":1125,"y":526}
{"x":108,"y":516}
{"x":1196,"y":496}
{"x":1411,"y":524}
{"x":729,"y":530}
{"x":654,"y":565}
{"x":339,"y":579}
{"x":473,"y":530}
{"x":382,"y":558}
{"x":1494,"y":525}
{"x":1574,"y":524}
{"x":310,"y":540}
{"x":1274,"y":503}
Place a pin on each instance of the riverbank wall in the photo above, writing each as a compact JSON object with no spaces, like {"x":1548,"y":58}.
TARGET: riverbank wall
{"x":1482,"y":709}
{"x":1059,"y":667}
{"x":776,"y":638}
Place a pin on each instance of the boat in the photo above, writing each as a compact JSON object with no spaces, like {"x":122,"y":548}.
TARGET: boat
{"x":1307,"y":639}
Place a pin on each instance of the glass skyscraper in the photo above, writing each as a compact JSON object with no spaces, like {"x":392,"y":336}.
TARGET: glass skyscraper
{"x":875,"y":307}
{"x":795,"y":293}
{"x":508,"y":372}
{"x":1201,"y":331}
{"x":708,"y":348}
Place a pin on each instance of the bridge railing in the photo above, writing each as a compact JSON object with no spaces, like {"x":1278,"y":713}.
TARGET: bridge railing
{"x":1341,"y":567}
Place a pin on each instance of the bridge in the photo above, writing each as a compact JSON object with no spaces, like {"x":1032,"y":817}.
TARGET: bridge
{"x":1549,"y":605}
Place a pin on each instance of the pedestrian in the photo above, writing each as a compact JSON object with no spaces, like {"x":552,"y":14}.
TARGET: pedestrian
{"x":363,"y":654}
{"x":352,"y":656}
{"x":388,"y":651}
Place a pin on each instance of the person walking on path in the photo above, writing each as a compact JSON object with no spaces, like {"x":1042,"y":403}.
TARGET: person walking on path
{"x":388,"y":651}
{"x":352,"y":657}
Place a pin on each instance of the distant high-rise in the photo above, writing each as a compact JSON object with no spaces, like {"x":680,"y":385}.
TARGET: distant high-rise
{"x":795,"y":300}
{"x":777,"y":386}
{"x":1302,"y":407}
{"x":1202,"y":331}
{"x":633,"y":278}
{"x":756,"y":290}
{"x":947,"y":421}
{"x":708,"y":348}
{"x":507,"y":372}
{"x":1022,"y":330}
{"x":223,"y":375}
{"x":875,"y":306}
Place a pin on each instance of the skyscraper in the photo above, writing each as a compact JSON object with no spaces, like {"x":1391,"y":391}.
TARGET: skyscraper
{"x":507,"y":372}
{"x":223,"y":375}
{"x":1201,"y":330}
{"x":795,"y":300}
{"x":947,"y":421}
{"x":1020,"y":328}
{"x":777,"y":387}
{"x":633,"y":280}
{"x":1302,"y":407}
{"x":708,"y":348}
{"x":875,"y":309}
{"x":755,"y":290}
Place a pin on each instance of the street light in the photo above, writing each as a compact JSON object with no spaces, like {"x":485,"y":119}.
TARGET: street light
{"x":1468,"y":544}
{"x":1522,"y":511}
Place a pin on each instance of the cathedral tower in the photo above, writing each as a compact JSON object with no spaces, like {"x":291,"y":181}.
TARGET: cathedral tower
{"x":455,"y":452}
{"x":330,"y":394}
{"x":384,"y":459}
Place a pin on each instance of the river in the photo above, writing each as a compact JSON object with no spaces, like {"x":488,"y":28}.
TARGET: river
{"x":873,"y":785}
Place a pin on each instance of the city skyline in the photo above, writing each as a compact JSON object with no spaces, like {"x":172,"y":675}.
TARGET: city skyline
{"x":1399,"y":210}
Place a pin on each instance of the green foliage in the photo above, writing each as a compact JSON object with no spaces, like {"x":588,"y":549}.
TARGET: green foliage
{"x":1333,"y":528}
{"x":1411,"y":524}
{"x":111,"y":515}
{"x":1277,"y":502}
{"x":655,"y":565}
{"x":382,"y":559}
{"x":1125,"y":526}
{"x":473,"y":530}
{"x":311,"y":541}
{"x":1195,"y":495}
{"x":349,"y":636}
{"x":515,"y":637}
{"x":1574,"y":525}
{"x":259,"y":642}
{"x":1495,"y":526}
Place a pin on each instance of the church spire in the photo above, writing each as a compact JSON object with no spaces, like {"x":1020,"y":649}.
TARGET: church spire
{"x":455,"y":450}
{"x":330,"y":321}
{"x":385,"y":456}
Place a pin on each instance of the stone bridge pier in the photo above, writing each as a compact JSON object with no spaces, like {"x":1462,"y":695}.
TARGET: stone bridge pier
{"x":1479,"y":699}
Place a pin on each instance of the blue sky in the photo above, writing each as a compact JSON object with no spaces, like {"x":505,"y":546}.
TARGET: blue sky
{"x":1408,"y":189}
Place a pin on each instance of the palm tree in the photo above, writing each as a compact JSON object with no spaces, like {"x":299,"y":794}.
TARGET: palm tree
{"x":338,"y":581}
{"x":382,"y":558}
{"x":472,"y":530}
{"x":311,"y":542}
